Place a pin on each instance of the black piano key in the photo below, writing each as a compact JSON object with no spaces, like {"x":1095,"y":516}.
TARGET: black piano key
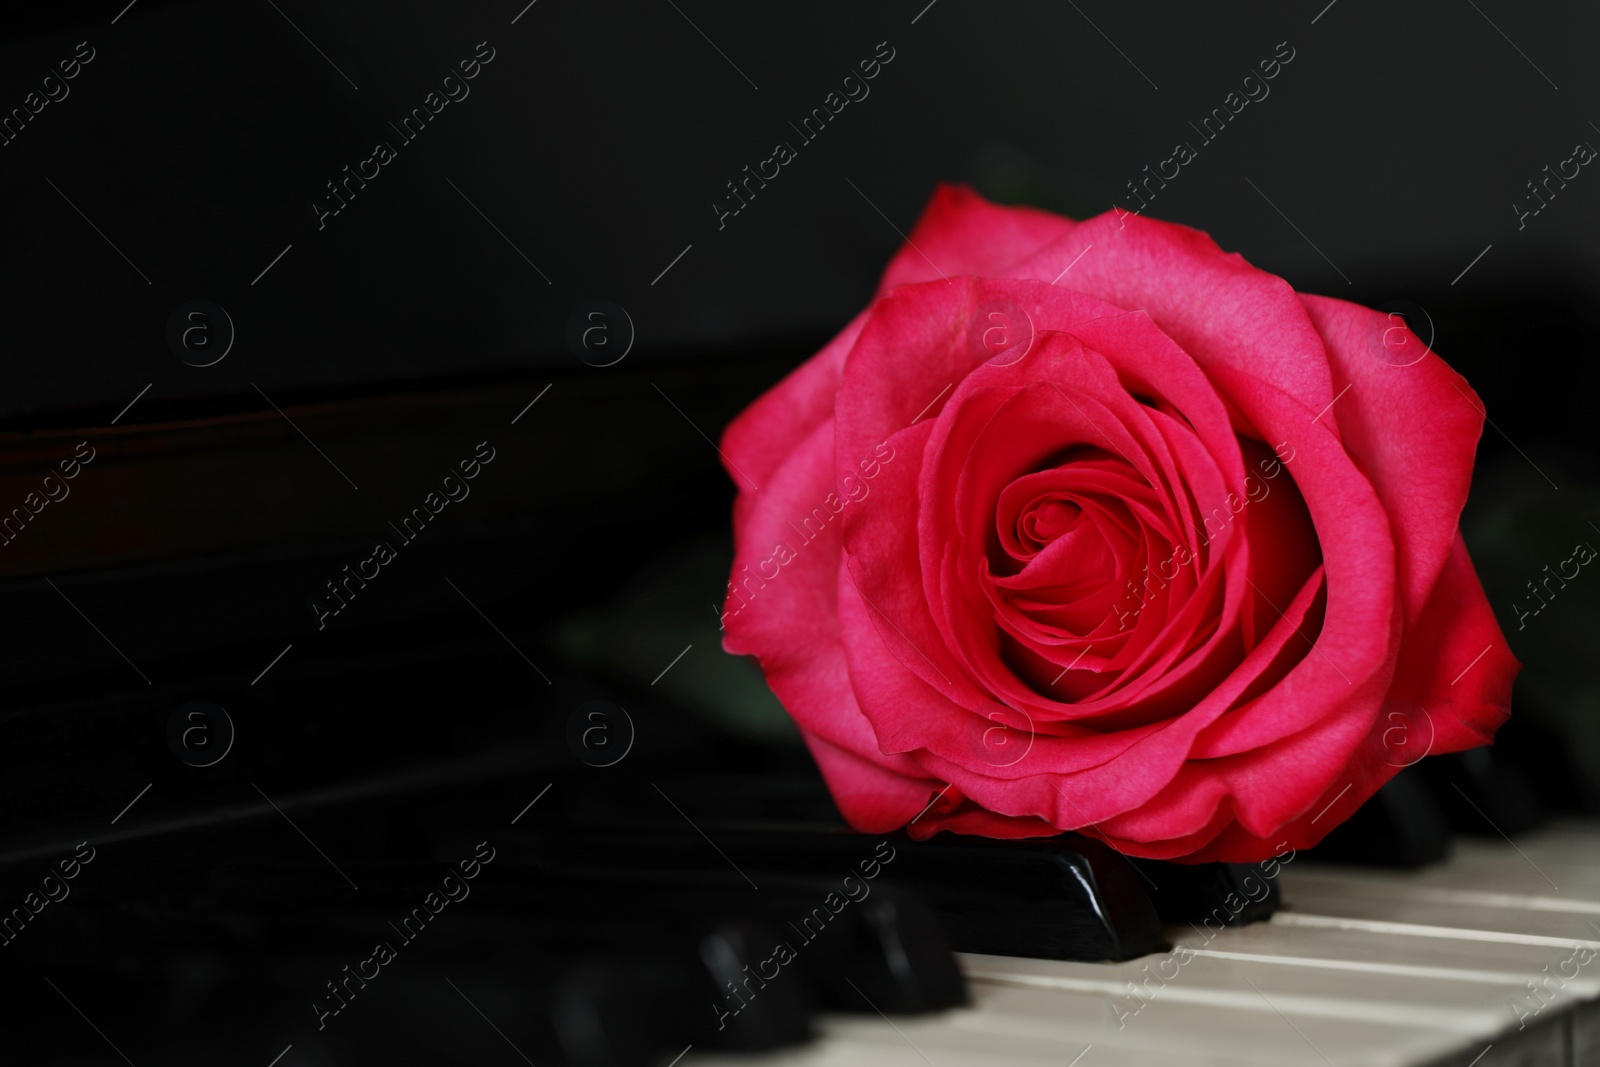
{"x":888,"y":943}
{"x":1482,"y":793}
{"x":1401,"y":825}
{"x":586,"y":1013}
{"x":1549,"y":761}
{"x":1067,"y":897}
{"x":1409,"y":822}
{"x":1231,"y":894}
{"x":920,"y":973}
{"x":275,"y":914}
{"x":208,"y":1007}
{"x":620,"y":999}
{"x":750,"y":1011}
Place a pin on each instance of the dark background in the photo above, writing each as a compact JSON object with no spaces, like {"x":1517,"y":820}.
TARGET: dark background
{"x":189,"y":152}
{"x":598,"y":138}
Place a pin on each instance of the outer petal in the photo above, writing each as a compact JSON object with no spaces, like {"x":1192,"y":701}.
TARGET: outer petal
{"x":1352,"y":661}
{"x":1412,"y":429}
{"x":1220,"y":309}
{"x":962,"y":233}
{"x":757,"y":442}
{"x":1455,"y":663}
{"x":872,"y":798}
{"x":786,"y":614}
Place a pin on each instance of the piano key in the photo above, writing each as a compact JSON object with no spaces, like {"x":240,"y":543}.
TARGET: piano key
{"x":596,"y":1014}
{"x":1571,"y":842}
{"x":1317,"y":896}
{"x":1444,"y":887}
{"x":885,"y":945}
{"x":1401,"y":825}
{"x":980,"y":1037}
{"x":1482,"y":794}
{"x":1215,"y":1011}
{"x":885,"y":941}
{"x":1286,"y":942}
{"x":1501,"y":873}
{"x":771,"y":1016}
{"x":1551,"y":869}
{"x":1379,"y":990}
{"x":841,"y":1048}
{"x":1484,"y":989}
{"x":677,"y":981}
{"x":1067,"y":897}
{"x":1250,"y":980}
{"x":1232,"y":894}
{"x":1212,"y":1025}
{"x":922,"y":974}
{"x":1414,"y":918}
{"x":1554,"y":766}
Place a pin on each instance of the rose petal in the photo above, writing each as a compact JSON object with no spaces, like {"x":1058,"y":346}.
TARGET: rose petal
{"x":962,"y":233}
{"x":1455,"y":663}
{"x":761,"y":438}
{"x":1413,"y":430}
{"x":787,"y":620}
{"x":1222,"y":311}
{"x":871,"y":798}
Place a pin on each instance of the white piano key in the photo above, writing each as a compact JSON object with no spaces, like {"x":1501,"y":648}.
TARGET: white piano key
{"x":1482,"y":933}
{"x":1513,"y":888}
{"x":1344,"y":899}
{"x":1427,"y":959}
{"x":1215,"y":1042}
{"x":1554,"y":870}
{"x":1445,"y":886}
{"x":963,"y":1038}
{"x":832,"y":1049}
{"x":1261,"y":982}
{"x":1187,"y":1025}
{"x":1211,"y":1025}
{"x":1561,"y":840}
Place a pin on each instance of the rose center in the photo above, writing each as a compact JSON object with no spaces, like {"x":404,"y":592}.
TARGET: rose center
{"x":1045,"y":519}
{"x":1070,"y":550}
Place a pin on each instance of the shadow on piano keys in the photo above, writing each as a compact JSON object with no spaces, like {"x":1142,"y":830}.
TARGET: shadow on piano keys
{"x":590,"y":926}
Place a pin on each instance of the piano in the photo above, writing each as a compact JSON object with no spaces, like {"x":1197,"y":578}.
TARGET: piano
{"x":440,"y":829}
{"x":1477,"y":960}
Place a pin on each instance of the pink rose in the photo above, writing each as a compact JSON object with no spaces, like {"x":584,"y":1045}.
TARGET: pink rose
{"x":1093,"y":526}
